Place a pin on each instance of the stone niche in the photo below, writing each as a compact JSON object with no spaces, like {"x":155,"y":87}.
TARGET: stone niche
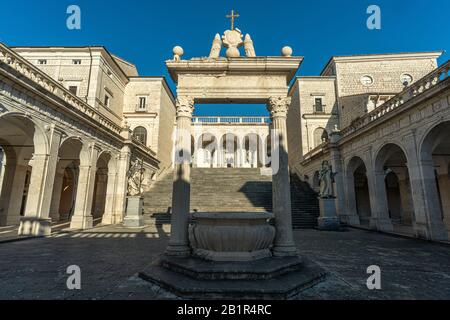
{"x":232,"y":236}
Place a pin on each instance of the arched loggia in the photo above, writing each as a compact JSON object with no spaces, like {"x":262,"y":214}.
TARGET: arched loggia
{"x":435,"y":160}
{"x":391,"y":162}
{"x":358,"y":198}
{"x":20,"y":139}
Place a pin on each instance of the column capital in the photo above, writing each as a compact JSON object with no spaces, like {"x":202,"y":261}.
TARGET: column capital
{"x":279,"y":106}
{"x":185,"y":106}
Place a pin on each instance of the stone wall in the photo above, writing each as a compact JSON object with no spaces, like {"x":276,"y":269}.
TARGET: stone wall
{"x":96,"y":75}
{"x":158,"y":118}
{"x":304,"y":120}
{"x":386,"y":72}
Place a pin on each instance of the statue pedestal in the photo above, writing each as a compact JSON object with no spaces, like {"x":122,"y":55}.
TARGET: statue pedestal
{"x":134,"y":217}
{"x":328,"y":219}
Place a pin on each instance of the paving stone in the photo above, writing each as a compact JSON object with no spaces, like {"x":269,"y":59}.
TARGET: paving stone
{"x":36,"y":268}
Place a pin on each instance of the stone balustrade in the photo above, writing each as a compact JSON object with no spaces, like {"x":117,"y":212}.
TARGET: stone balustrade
{"x":231,"y":120}
{"x":415,"y":89}
{"x":28,"y":70}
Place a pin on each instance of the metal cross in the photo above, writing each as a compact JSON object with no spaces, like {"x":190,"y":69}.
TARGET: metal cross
{"x":232,"y":16}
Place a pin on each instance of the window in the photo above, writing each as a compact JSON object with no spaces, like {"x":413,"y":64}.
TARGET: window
{"x":320,"y":136}
{"x":140,"y":134}
{"x":106,"y":101}
{"x":42,"y":61}
{"x":366,"y":80}
{"x":406,"y":79}
{"x":318,"y":105}
{"x":142,"y":106}
{"x":76,"y":61}
{"x":73,"y":89}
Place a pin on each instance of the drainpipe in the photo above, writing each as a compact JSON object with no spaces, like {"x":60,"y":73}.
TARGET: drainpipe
{"x":89,"y":78}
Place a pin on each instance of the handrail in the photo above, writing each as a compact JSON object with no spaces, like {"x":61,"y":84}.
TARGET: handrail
{"x":231,"y":120}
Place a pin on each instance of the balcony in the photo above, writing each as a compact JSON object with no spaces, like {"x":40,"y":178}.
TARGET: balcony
{"x":231,"y":120}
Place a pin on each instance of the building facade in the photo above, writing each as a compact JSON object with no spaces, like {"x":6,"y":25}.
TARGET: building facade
{"x":73,"y":121}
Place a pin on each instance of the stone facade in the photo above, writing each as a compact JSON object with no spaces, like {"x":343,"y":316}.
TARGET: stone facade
{"x":66,"y":143}
{"x":392,"y":159}
{"x":73,"y":119}
{"x":113,"y":87}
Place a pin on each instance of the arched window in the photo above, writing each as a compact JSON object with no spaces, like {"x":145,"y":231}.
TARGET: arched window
{"x":140,"y":133}
{"x":320,"y":136}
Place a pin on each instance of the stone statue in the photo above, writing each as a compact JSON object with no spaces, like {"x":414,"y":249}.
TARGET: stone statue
{"x":135,"y":177}
{"x":216,"y":47}
{"x":326,"y":177}
{"x":248,"y":45}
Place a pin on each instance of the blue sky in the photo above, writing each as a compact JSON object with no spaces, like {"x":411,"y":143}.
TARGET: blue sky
{"x":144,"y":32}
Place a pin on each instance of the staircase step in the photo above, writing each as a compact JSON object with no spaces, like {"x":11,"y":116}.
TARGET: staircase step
{"x":231,"y":189}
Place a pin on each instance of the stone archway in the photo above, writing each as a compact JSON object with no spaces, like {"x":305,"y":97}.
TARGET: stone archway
{"x":207,"y":151}
{"x":249,"y":81}
{"x":229,"y":151}
{"x":252,"y":153}
{"x":66,"y":180}
{"x":19,"y":139}
{"x":358,"y":199}
{"x":101,"y":184}
{"x":391,"y":161}
{"x":435,"y":157}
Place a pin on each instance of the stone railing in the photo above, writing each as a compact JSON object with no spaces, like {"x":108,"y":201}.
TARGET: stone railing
{"x":415,"y":89}
{"x":231,"y":120}
{"x":28,"y":70}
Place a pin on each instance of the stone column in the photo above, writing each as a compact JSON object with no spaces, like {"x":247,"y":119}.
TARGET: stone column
{"x":379,"y":219}
{"x":108,"y":215}
{"x":281,"y":190}
{"x":82,"y":216}
{"x":444,"y":189}
{"x":179,"y":243}
{"x":336,"y":164}
{"x":36,"y":220}
{"x":12,"y":195}
{"x":2,"y":167}
{"x":13,"y":183}
{"x":427,"y":212}
{"x":352,"y":217}
{"x":56,"y":197}
{"x":407,"y":212}
{"x":123,"y":165}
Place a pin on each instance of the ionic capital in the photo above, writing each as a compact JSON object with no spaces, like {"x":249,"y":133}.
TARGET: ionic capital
{"x":279,"y":106}
{"x":185,"y":106}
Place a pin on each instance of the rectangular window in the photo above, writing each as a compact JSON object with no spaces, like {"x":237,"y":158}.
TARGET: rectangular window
{"x":107,"y":101}
{"x":76,"y":61}
{"x":42,"y":61}
{"x":142,"y":106}
{"x":318,"y":105}
{"x":73,"y":89}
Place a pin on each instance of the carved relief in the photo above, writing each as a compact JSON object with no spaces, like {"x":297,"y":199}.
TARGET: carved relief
{"x":279,"y":106}
{"x":185,"y":106}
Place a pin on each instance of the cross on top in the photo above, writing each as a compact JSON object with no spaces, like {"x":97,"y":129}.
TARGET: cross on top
{"x":232,"y":16}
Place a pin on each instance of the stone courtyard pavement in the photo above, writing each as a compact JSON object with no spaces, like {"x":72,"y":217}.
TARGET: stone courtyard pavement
{"x":110,"y":257}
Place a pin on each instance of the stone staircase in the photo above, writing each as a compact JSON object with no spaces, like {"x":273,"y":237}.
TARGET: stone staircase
{"x":231,"y":189}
